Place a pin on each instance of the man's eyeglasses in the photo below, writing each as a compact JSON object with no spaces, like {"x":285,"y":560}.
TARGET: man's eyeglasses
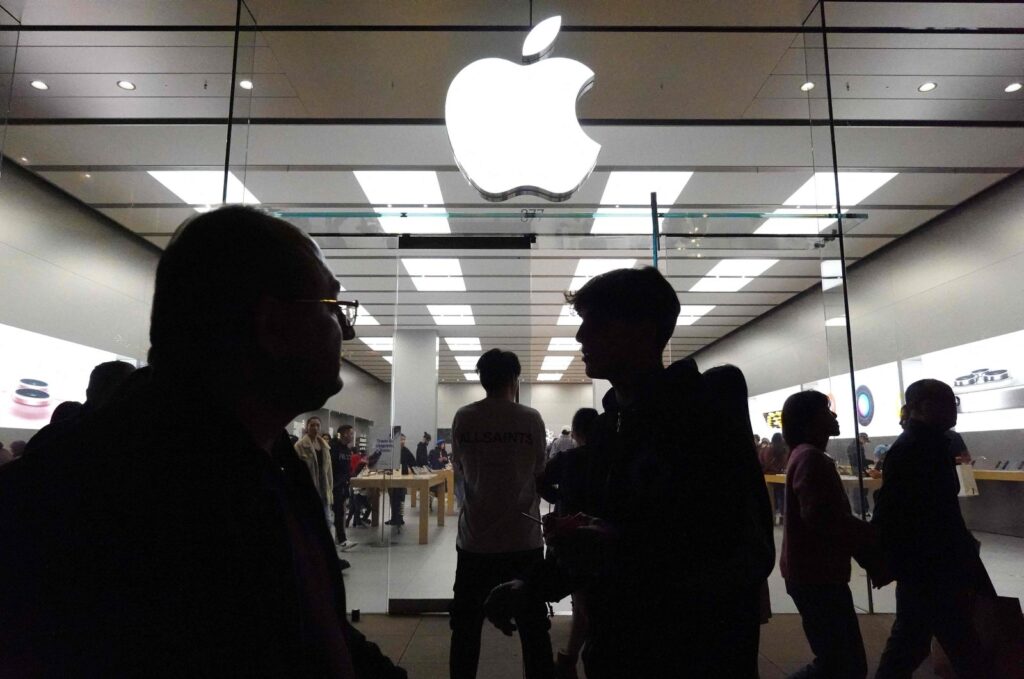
{"x":347,"y":314}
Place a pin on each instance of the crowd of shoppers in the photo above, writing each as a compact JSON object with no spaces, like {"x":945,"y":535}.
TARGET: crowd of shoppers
{"x":149,"y":543}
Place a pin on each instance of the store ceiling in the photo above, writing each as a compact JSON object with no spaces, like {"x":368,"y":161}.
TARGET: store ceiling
{"x":726,"y":106}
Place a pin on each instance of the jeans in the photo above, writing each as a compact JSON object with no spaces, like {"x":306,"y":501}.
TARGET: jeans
{"x":340,"y":494}
{"x":475,"y":576}
{"x":830,"y":625}
{"x":923,"y":611}
{"x":397,"y":498}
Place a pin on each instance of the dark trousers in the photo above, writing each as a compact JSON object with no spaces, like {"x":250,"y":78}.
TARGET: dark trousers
{"x":830,"y":625}
{"x":475,"y":576}
{"x":358,"y":509}
{"x":397,"y":499}
{"x":924,"y":611}
{"x":340,"y":495}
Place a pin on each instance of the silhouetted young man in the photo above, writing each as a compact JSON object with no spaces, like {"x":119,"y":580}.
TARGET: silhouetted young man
{"x":933,"y":556}
{"x":499,"y":453}
{"x":673,"y":562}
{"x":162,"y":547}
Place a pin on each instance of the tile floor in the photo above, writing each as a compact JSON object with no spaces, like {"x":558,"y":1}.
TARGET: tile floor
{"x":420,"y":645}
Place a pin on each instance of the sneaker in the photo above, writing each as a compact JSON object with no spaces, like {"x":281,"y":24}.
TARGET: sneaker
{"x":347,"y":545}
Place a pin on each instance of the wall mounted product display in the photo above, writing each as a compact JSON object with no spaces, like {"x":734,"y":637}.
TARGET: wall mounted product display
{"x":38,"y":373}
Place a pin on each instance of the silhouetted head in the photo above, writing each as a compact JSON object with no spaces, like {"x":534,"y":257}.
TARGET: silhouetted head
{"x":17,"y":448}
{"x":346,"y":433}
{"x":426,"y":437}
{"x":583,"y":424}
{"x":499,"y":372}
{"x":931,"y":402}
{"x":104,"y":381}
{"x":807,"y":418}
{"x":66,"y":410}
{"x":239,"y":298}
{"x":628,"y":316}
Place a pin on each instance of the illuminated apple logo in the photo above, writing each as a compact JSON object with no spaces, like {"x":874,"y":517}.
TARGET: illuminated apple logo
{"x":513,"y":128}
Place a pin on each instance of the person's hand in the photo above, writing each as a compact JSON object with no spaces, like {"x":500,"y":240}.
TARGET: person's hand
{"x":874,"y":473}
{"x":503,"y":603}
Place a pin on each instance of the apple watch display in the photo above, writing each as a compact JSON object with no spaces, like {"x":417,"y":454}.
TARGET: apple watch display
{"x":865,"y":406}
{"x":29,"y":383}
{"x":31,"y":397}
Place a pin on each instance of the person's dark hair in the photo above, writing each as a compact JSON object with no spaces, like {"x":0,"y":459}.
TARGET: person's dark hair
{"x":344,"y":428}
{"x":779,"y":445}
{"x":65,"y":411}
{"x":498,"y":369}
{"x":105,"y":379}
{"x":630,"y":294}
{"x":210,"y":278}
{"x":426,"y":436}
{"x":798,"y":413}
{"x":313,"y":417}
{"x":583,"y":422}
{"x":926,"y":390}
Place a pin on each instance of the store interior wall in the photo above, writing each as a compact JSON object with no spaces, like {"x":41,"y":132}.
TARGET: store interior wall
{"x":557,"y":403}
{"x":955,"y":280}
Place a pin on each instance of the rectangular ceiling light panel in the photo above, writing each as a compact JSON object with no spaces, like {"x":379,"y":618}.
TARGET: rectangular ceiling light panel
{"x":588,"y":268}
{"x":364,"y":317}
{"x":831,"y":274}
{"x":463,"y":343}
{"x":203,"y":189}
{"x":386,"y":188}
{"x":435,"y":275}
{"x":467,"y":363}
{"x":389,"y":359}
{"x":556,"y":363}
{"x":564,"y":344}
{"x":731,"y":275}
{"x":691,"y":313}
{"x":452,"y":314}
{"x":472,"y":377}
{"x":549,"y":377}
{"x":568,"y":316}
{"x":819,"y":193}
{"x":379,"y":343}
{"x":634,"y":188}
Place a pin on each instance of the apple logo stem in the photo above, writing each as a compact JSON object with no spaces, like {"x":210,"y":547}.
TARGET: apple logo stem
{"x":513,"y":128}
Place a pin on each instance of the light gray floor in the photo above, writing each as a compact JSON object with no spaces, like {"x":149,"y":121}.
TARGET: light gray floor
{"x":403,"y":569}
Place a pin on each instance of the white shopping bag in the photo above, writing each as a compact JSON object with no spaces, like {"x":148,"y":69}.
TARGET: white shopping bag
{"x":968,"y":485}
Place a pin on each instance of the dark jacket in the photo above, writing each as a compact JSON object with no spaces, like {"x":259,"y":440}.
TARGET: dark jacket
{"x":693,"y":549}
{"x":917,"y":512}
{"x":435,"y":460}
{"x":422,"y":456}
{"x":154,"y":540}
{"x":341,"y":464}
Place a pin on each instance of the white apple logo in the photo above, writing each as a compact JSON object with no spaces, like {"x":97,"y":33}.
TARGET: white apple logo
{"x":513,"y":129}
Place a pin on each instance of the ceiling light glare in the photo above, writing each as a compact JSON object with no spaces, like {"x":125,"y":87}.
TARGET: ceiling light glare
{"x":389,"y":187}
{"x":1013,"y":87}
{"x":564,"y":344}
{"x":463,"y":343}
{"x":568,"y":316}
{"x":731,"y":275}
{"x":452,"y":314}
{"x":389,"y":359}
{"x":836,"y":322}
{"x":807,"y":86}
{"x":634,"y":188}
{"x":126,"y":85}
{"x":831,"y":274}
{"x":245,"y":84}
{"x":203,"y":188}
{"x":691,"y":313}
{"x":379,"y":343}
{"x":364,"y":317}
{"x":549,"y":377}
{"x":472,"y":377}
{"x":435,"y":275}
{"x":588,"y":268}
{"x":40,"y":85}
{"x":467,"y":363}
{"x":927,"y":87}
{"x":555,"y":363}
{"x":819,"y":192}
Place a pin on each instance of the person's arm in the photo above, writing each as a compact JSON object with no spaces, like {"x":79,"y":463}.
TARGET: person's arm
{"x":824,"y":507}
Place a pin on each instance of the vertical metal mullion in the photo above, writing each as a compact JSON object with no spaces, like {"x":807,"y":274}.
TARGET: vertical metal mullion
{"x":231,"y":100}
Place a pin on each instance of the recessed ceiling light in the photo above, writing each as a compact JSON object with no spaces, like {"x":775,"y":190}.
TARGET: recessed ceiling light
{"x":472,"y":377}
{"x":126,"y":84}
{"x":635,"y":188}
{"x":927,"y":87}
{"x":807,"y":86}
{"x":204,"y":188}
{"x":836,"y":321}
{"x":556,"y":363}
{"x":691,"y":313}
{"x":731,"y":275}
{"x":245,"y":84}
{"x":820,"y":192}
{"x":24,"y":159}
{"x":588,"y":268}
{"x":564,"y":344}
{"x":1013,"y":87}
{"x":568,"y":316}
{"x":452,"y":314}
{"x":87,"y":175}
{"x":549,"y":377}
{"x":379,"y":343}
{"x":40,"y":85}
{"x":467,"y":363}
{"x":389,"y":187}
{"x":463,"y":343}
{"x":435,"y":275}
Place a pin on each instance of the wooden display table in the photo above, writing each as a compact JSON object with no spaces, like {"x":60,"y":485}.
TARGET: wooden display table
{"x":998,"y":475}
{"x":449,"y":491}
{"x":419,"y":483}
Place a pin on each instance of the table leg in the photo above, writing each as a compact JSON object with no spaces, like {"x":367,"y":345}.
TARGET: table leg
{"x":375,"y":507}
{"x":413,"y":500}
{"x":771,"y":499}
{"x":440,"y":509}
{"x":424,"y":513}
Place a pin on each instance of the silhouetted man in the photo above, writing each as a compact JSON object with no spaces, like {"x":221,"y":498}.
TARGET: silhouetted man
{"x":499,"y":453}
{"x":184,"y":537}
{"x":933,"y":556}
{"x":673,"y":564}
